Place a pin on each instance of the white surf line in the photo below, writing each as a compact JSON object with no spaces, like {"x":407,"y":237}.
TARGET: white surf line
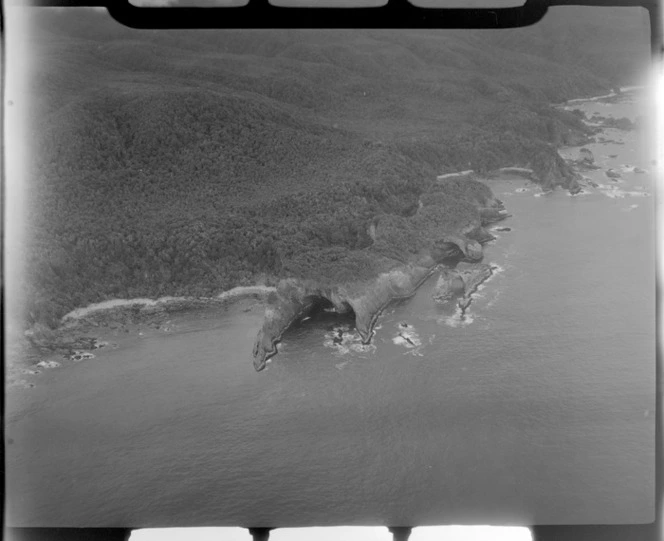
{"x":245,"y":290}
{"x":516,"y":170}
{"x":344,"y":339}
{"x":457,"y":174}
{"x":594,"y":98}
{"x":623,"y":90}
{"x":239,"y":291}
{"x":632,"y":88}
{"x":78,"y":313}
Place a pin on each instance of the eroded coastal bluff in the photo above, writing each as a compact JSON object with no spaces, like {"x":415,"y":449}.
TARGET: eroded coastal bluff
{"x":405,"y":250}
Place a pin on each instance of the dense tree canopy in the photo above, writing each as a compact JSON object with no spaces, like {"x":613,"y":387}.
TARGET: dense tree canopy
{"x":185,"y":163}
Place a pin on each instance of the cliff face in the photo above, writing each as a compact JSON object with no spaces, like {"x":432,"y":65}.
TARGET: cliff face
{"x":295,"y":298}
{"x":551,"y":170}
{"x":461,"y":282}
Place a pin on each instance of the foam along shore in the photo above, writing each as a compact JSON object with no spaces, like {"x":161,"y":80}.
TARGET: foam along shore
{"x":633,"y":88}
{"x":457,"y":174}
{"x":118,"y":304}
{"x":113,"y":304}
{"x":242,"y":291}
{"x":595,"y":98}
{"x":612,"y":94}
{"x":518,"y":171}
{"x":521,"y":171}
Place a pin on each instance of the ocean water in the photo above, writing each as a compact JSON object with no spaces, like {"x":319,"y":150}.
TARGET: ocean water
{"x":537,"y":407}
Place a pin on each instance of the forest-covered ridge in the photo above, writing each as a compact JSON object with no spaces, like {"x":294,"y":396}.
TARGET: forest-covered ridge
{"x":188,"y":162}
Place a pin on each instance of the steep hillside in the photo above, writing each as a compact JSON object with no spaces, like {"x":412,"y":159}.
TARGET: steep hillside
{"x":188,"y":162}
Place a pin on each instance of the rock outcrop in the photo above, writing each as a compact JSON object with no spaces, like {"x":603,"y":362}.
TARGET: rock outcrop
{"x":460,"y":283}
{"x":295,"y":299}
{"x":585,"y":162}
{"x":574,"y":138}
{"x":450,"y":285}
{"x":547,"y":168}
{"x":492,"y":214}
{"x":574,"y":187}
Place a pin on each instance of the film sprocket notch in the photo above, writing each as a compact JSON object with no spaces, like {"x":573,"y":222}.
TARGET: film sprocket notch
{"x":393,"y":14}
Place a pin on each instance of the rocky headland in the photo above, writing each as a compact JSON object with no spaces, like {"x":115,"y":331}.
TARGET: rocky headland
{"x":436,"y":243}
{"x":547,"y":168}
{"x":458,"y":284}
{"x":431,"y":243}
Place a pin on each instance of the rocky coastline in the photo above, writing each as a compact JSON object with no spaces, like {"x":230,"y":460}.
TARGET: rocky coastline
{"x":597,"y":124}
{"x":294,"y":299}
{"x":457,"y":254}
{"x":84,"y":331}
{"x":460,"y":283}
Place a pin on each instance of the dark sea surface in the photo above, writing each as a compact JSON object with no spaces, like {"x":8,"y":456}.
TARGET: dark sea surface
{"x":537,"y":407}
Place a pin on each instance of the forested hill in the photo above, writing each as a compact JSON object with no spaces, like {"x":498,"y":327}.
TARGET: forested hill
{"x":188,"y":162}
